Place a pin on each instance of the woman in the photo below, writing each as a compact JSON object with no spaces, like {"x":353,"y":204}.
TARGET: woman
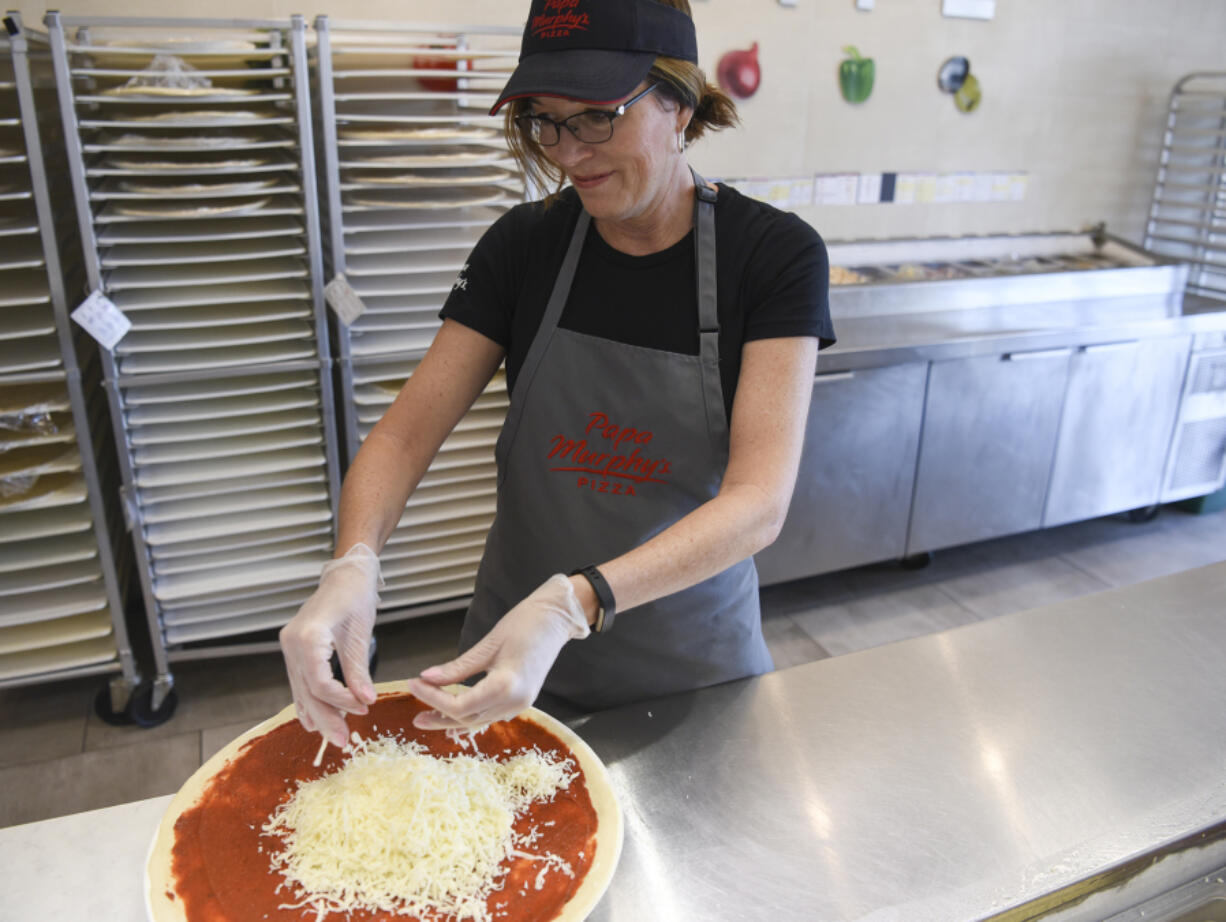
{"x":660,"y":335}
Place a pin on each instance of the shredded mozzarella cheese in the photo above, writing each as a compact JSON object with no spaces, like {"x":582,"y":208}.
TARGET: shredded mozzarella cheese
{"x":398,"y":830}
{"x":467,"y":738}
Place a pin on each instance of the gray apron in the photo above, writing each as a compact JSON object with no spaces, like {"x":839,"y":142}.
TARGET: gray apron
{"x":605,"y":445}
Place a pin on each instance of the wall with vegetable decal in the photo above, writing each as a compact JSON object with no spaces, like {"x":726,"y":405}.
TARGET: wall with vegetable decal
{"x":1071,"y":92}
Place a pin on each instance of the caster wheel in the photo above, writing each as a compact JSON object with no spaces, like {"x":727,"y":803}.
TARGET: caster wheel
{"x":916,"y":561}
{"x":107,"y":714}
{"x":140,"y":708}
{"x":1144,"y":514}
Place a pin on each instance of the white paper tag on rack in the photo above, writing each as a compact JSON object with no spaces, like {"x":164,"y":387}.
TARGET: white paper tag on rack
{"x":343,"y":300}
{"x":102,"y":320}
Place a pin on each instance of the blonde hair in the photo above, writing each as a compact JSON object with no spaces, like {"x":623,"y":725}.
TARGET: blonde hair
{"x":681,"y":82}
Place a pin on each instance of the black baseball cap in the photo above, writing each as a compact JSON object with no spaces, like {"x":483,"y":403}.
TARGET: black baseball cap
{"x":595,"y":51}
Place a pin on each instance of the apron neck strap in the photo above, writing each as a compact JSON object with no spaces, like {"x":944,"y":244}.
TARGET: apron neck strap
{"x":708,"y":317}
{"x":706,"y":281}
{"x":705,"y":192}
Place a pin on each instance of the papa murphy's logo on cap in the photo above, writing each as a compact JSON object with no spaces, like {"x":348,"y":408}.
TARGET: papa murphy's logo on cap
{"x":558,"y":19}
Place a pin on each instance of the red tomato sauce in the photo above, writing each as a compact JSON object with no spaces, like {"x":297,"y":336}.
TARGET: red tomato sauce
{"x":221,"y":874}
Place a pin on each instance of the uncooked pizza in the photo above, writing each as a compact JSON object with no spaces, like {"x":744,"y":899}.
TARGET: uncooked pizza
{"x":517,"y":822}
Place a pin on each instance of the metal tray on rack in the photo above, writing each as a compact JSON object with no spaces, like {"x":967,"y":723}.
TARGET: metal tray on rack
{"x":30,"y":355}
{"x":132,"y":143}
{"x":51,"y":604}
{"x":182,"y":432}
{"x":23,"y":254}
{"x":407,"y":262}
{"x":24,"y":288}
{"x":229,"y":447}
{"x":241,"y":358}
{"x":160,"y":167}
{"x":155,"y":253}
{"x":236,"y":385}
{"x":15,"y":324}
{"x":229,"y":293}
{"x":235,"y":486}
{"x":186,"y":550}
{"x":272,"y":549}
{"x":197,"y":340}
{"x":204,"y":471}
{"x":202,"y":231}
{"x":217,"y":526}
{"x":224,"y":407}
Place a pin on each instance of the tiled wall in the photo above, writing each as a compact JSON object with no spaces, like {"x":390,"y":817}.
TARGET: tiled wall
{"x":1075,"y":94}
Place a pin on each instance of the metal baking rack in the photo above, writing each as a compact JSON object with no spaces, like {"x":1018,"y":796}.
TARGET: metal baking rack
{"x":192,"y":163}
{"x":1187,"y":217}
{"x":414,"y":171}
{"x":63,"y":559}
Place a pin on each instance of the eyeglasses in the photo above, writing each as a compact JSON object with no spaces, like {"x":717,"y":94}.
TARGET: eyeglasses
{"x":591,"y":126}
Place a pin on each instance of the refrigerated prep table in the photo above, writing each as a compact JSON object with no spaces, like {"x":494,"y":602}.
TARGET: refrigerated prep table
{"x":985,"y":386}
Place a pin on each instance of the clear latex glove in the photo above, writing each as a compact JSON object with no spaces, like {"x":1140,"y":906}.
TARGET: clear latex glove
{"x":339,"y":616}
{"x":515,"y":657}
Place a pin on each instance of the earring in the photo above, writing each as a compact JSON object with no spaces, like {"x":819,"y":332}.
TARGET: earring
{"x":681,"y":143}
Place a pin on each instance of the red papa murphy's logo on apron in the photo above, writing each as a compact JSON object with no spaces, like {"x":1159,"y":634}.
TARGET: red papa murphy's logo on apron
{"x":559,"y":20}
{"x":602,"y":467}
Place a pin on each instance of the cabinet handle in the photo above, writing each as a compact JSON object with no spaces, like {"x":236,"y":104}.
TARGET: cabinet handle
{"x":1110,"y":347}
{"x":1036,"y":354}
{"x":834,"y":376}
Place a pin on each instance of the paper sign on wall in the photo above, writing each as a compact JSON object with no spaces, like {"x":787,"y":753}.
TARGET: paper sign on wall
{"x":102,"y":320}
{"x":868,"y":188}
{"x":904,"y":189}
{"x":782,"y":193}
{"x":837,"y":189}
{"x":827,"y":189}
{"x":969,"y":9}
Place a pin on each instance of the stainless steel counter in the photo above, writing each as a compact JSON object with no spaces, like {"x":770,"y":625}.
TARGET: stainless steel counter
{"x":945,"y":778}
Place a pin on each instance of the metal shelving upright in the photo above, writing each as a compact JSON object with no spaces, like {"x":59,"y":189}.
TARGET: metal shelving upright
{"x":63,"y":560}
{"x":414,"y":171}
{"x":1187,"y":218}
{"x":191,"y":156}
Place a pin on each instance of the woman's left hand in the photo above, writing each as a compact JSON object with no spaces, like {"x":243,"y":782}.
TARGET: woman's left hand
{"x":515,"y":656}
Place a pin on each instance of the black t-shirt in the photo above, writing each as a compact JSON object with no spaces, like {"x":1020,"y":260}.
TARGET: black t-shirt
{"x":773,"y":280}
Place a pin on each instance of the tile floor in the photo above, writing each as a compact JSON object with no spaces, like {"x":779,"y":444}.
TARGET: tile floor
{"x":56,"y":757}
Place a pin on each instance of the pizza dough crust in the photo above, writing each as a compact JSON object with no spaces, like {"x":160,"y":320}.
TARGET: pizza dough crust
{"x":609,"y":830}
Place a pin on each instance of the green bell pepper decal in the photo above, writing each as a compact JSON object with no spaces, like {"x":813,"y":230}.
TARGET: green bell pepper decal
{"x":856,"y":76}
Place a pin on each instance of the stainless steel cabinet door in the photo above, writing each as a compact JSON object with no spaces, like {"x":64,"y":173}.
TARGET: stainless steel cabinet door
{"x":853,"y":493}
{"x":1118,"y":419}
{"x":989,"y":435}
{"x":1196,"y":465}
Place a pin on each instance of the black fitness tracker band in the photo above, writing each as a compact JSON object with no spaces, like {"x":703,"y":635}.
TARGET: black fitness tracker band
{"x":608,"y":606}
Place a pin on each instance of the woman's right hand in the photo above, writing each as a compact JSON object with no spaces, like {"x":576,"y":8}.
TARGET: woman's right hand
{"x":339,"y":616}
